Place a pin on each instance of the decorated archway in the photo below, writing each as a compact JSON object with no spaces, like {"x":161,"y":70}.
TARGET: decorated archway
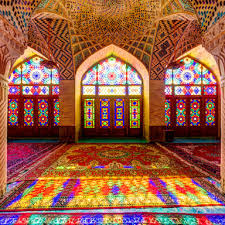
{"x":112,"y":100}
{"x":191,"y":107}
{"x":131,"y":62}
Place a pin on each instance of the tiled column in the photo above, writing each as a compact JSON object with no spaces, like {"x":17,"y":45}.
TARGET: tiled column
{"x":3,"y":133}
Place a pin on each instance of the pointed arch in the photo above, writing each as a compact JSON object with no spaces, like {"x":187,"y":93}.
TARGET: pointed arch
{"x":125,"y":56}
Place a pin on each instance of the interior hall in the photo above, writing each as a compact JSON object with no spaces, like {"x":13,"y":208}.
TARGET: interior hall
{"x":112,"y":112}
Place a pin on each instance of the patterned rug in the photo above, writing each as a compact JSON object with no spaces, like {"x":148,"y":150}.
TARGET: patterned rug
{"x":205,"y":156}
{"x":114,"y":176}
{"x":111,"y":219}
{"x":90,"y":160}
{"x":21,"y":156}
{"x":112,"y":192}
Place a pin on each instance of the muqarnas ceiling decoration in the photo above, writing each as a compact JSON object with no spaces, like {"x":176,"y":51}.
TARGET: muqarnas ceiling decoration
{"x":112,"y":21}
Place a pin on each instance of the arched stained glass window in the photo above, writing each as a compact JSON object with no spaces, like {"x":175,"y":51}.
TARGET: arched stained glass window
{"x":110,"y":77}
{"x":112,"y":98}
{"x":191,"y":98}
{"x":33,"y":95}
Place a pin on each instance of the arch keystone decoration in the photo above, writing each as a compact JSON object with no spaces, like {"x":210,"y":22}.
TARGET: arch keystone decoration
{"x":126,"y":57}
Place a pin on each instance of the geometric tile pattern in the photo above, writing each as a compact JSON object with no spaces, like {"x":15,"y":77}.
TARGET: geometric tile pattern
{"x":112,"y":22}
{"x":168,"y":35}
{"x":140,"y":47}
{"x":18,"y":12}
{"x":59,"y":44}
{"x":191,"y":38}
{"x":209,"y":12}
{"x":171,"y":6}
{"x":36,"y":40}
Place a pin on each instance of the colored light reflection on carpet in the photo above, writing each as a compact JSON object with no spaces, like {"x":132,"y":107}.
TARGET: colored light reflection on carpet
{"x":112,"y":192}
{"x":126,"y":219}
{"x":89,"y":160}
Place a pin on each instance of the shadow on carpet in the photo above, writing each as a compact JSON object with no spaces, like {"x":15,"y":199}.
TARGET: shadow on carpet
{"x":205,"y":156}
{"x":21,"y":156}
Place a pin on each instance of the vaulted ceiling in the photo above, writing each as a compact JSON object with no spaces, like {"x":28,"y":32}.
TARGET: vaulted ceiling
{"x":151,"y":30}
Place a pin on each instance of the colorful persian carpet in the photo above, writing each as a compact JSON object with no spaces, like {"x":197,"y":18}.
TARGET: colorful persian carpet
{"x":111,"y":219}
{"x":205,"y":156}
{"x":90,"y":160}
{"x":21,"y":156}
{"x":114,"y":176}
{"x":112,"y":192}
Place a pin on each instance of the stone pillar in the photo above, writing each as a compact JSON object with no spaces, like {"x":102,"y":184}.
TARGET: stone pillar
{"x":157,"y":110}
{"x":3,"y":133}
{"x":214,"y":42}
{"x":67,"y":105}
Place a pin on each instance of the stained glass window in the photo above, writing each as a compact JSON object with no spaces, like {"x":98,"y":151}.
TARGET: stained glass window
{"x":187,"y":74}
{"x":90,"y":77}
{"x":14,"y":90}
{"x":55,"y":76}
{"x":135,"y":113}
{"x":187,"y":91}
{"x":168,"y":112}
{"x":134,"y":90}
{"x":210,"y":113}
{"x":13,"y":112}
{"x":55,"y":90}
{"x":89,"y":90}
{"x":168,"y":90}
{"x":104,"y":113}
{"x":56,"y":112}
{"x":210,"y":90}
{"x":111,"y":71}
{"x":120,"y":82}
{"x":15,"y":76}
{"x":112,"y":90}
{"x":28,"y":112}
{"x":32,"y":79}
{"x":119,"y":113}
{"x":35,"y":90}
{"x":89,"y":113}
{"x":208,"y":77}
{"x":42,"y":112}
{"x":195,"y":112}
{"x":133,"y":78}
{"x":181,"y":112}
{"x":168,"y":77}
